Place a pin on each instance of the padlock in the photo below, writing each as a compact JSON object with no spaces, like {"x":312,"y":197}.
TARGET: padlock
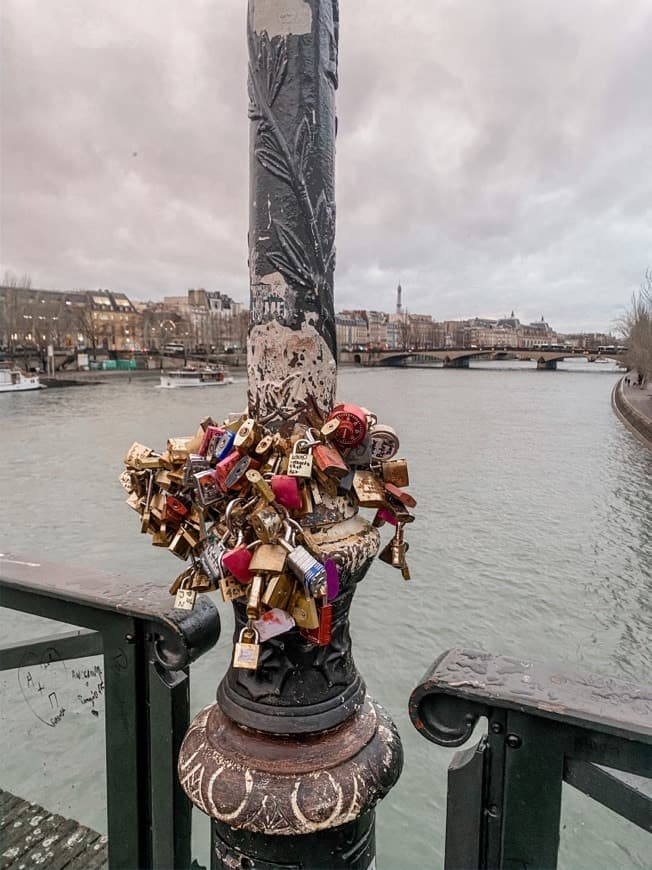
{"x":303,"y":564}
{"x":212,"y":435}
{"x":237,"y":562}
{"x":329,"y":485}
{"x":303,"y":610}
{"x":208,"y":491}
{"x":195,"y":465}
{"x":384,"y":442}
{"x":396,"y":471}
{"x":175,"y":510}
{"x":369,"y":491}
{"x":247,"y":649}
{"x":287,"y":491}
{"x":237,"y":473}
{"x":179,"y":545}
{"x":178,"y":449}
{"x":262,"y":487}
{"x":223,"y":446}
{"x":253,"y":599}
{"x":231,"y":589}
{"x":300,"y":464}
{"x":247,"y":436}
{"x":278,"y":591}
{"x":144,"y":525}
{"x":352,"y":427}
{"x":329,"y":460}
{"x":223,"y":467}
{"x":268,"y":559}
{"x":383,"y":515}
{"x":400,"y":495}
{"x":211,"y":557}
{"x":266,"y":523}
{"x":320,"y":636}
{"x":180,"y":580}
{"x":329,"y":428}
{"x":263,"y":448}
{"x":185,"y":596}
{"x":332,"y":579}
{"x":136,"y":453}
{"x":360,"y":455}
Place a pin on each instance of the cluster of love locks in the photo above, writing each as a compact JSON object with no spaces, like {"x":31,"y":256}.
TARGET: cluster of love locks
{"x":231,"y":499}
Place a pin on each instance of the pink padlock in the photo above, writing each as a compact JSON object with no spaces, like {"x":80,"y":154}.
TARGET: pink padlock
{"x":286,"y":491}
{"x":236,"y":562}
{"x":385,"y":515}
{"x":222,"y":469}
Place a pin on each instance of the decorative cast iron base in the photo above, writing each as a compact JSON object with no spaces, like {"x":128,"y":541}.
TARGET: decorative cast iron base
{"x":281,"y":785}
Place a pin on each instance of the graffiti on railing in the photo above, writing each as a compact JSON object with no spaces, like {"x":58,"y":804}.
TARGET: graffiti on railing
{"x":52,"y":689}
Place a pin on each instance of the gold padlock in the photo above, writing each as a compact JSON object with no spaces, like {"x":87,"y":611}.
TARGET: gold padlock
{"x":263,"y":489}
{"x":266,"y":523}
{"x":304,"y":610}
{"x":247,"y":436}
{"x":369,"y":491}
{"x":247,"y":649}
{"x":179,"y":448}
{"x":268,"y":559}
{"x":396,"y":471}
{"x":255,"y":593}
{"x":135,"y":453}
{"x":231,"y":589}
{"x":278,"y":591}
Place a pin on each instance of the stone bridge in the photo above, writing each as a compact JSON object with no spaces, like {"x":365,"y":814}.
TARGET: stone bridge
{"x":459,"y":358}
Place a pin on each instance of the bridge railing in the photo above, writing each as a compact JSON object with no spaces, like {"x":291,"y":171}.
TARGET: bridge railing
{"x":546,"y":726}
{"x":147,"y":648}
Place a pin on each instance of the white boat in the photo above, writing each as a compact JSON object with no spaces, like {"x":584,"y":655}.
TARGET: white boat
{"x":14,"y":381}
{"x":190,"y":376}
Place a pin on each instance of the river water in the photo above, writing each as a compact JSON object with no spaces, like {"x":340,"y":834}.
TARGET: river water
{"x":533,"y":538}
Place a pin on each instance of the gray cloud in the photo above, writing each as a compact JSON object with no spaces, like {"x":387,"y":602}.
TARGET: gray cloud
{"x":490,"y":155}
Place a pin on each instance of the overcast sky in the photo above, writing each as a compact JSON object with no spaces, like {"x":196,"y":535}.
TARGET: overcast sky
{"x":492,"y":154}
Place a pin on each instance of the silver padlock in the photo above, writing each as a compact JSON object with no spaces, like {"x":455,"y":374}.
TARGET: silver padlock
{"x":303,"y":564}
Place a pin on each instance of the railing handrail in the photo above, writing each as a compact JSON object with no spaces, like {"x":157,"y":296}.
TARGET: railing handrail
{"x":147,"y":647}
{"x":603,"y":703}
{"x":179,"y":636}
{"x":546,"y":726}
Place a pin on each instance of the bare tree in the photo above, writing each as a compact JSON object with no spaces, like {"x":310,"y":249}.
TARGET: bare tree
{"x":636,"y":328}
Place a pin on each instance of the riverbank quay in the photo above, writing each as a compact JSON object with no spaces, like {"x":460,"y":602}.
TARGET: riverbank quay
{"x":633,"y":406}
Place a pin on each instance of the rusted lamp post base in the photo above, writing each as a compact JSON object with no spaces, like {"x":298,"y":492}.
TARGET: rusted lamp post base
{"x":291,"y":801}
{"x":350,"y":846}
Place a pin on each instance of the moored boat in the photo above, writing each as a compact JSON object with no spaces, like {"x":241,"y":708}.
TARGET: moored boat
{"x":14,"y":381}
{"x":191,"y":376}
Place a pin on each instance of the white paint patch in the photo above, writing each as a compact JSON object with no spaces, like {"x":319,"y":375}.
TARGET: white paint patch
{"x":287,"y":366}
{"x":282,"y":17}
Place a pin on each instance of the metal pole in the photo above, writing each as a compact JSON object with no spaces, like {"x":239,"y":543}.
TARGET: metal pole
{"x":291,"y":351}
{"x":293,"y":757}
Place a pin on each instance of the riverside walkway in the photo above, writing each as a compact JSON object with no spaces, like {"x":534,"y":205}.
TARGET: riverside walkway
{"x":633,"y":405}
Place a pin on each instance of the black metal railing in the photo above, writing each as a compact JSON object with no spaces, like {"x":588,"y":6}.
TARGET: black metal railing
{"x":147,"y":648}
{"x":546,"y":726}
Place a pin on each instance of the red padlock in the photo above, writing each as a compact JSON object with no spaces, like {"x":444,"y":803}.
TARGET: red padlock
{"x":211,"y":436}
{"x":175,"y":511}
{"x":328,"y":460}
{"x":236,"y":562}
{"x":286,"y":491}
{"x":353,"y":425}
{"x":222,"y":469}
{"x":400,"y":495}
{"x":321,"y":636}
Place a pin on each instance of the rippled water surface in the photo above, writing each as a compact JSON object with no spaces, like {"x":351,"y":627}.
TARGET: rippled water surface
{"x":533,"y":538}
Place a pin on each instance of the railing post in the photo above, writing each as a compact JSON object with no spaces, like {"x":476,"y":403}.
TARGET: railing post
{"x":293,"y":757}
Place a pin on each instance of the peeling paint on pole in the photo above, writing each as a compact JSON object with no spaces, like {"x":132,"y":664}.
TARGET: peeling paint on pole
{"x":282,"y":17}
{"x":291,"y":348}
